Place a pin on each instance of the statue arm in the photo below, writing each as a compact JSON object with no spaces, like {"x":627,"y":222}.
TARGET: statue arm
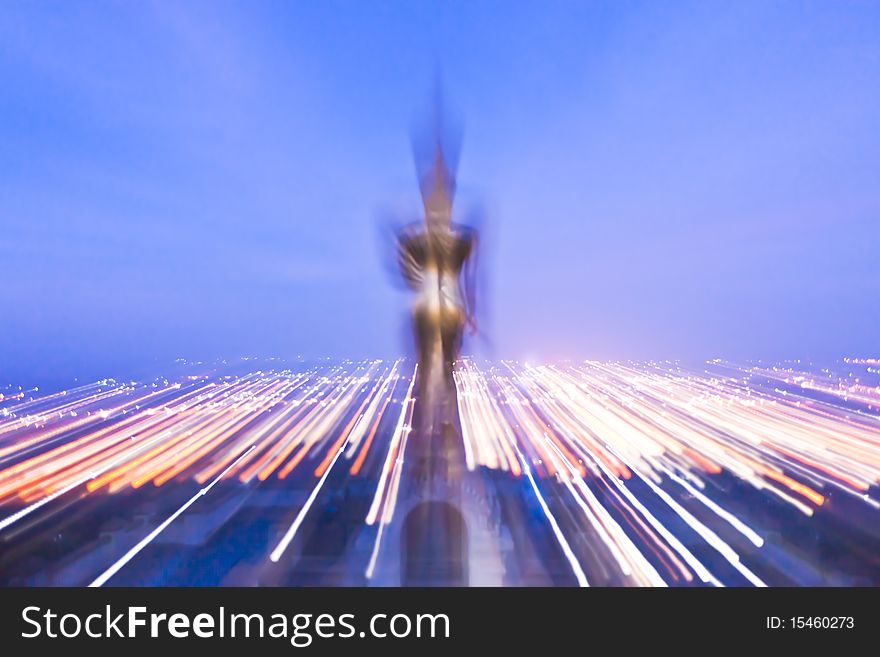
{"x":469,"y":279}
{"x":407,"y":259}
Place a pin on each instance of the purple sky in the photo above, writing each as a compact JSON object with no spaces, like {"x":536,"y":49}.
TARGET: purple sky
{"x":684,"y":180}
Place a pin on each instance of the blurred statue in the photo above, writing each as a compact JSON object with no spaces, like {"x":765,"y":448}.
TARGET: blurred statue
{"x":436,"y":259}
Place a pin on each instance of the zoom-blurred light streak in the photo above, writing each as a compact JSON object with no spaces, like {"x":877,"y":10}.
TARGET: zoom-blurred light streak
{"x":624,"y":460}
{"x":628,"y":419}
{"x":659,"y":425}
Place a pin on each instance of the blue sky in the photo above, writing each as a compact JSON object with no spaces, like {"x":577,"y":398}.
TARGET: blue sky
{"x":668,"y":179}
